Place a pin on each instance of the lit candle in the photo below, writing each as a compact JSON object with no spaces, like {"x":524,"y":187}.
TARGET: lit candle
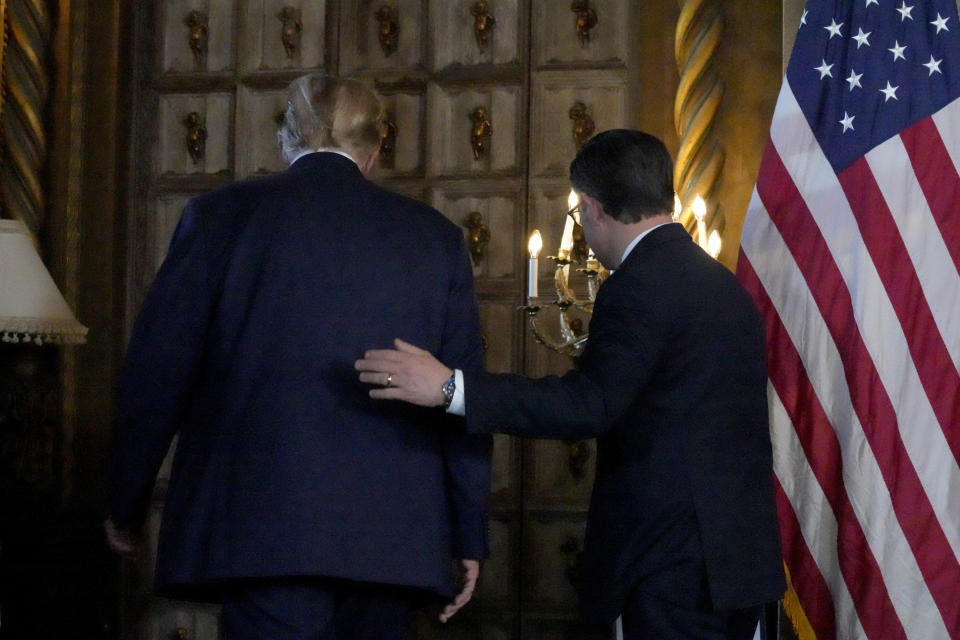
{"x":566,"y":240}
{"x":713,"y":244}
{"x":534,"y":246}
{"x":700,"y":212}
{"x":677,"y":208}
{"x":592,"y":263}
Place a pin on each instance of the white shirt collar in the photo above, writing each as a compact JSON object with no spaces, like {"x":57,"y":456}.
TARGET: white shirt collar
{"x":639,"y":237}
{"x":325,"y":150}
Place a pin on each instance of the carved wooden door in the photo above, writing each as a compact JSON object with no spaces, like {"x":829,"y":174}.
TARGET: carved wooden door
{"x":479,"y":95}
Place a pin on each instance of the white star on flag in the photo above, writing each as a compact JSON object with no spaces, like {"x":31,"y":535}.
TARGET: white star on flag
{"x":890,"y":92}
{"x":847,"y":121}
{"x":897,"y":51}
{"x":905,"y":11}
{"x":862,"y":38}
{"x":940,"y":23}
{"x":834,"y":28}
{"x":933,"y":65}
{"x":824,"y":70}
{"x":854,"y":79}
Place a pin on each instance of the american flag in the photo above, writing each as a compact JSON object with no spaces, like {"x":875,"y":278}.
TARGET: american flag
{"x":851,"y":249}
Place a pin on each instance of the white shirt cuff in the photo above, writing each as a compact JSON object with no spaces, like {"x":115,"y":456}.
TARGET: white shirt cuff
{"x":458,"y":404}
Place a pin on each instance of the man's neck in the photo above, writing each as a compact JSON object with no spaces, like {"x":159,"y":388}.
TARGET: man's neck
{"x":628,"y":232}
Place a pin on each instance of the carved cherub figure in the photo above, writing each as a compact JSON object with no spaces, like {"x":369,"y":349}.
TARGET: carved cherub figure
{"x":483,"y":23}
{"x":197,"y":36}
{"x":480,"y":132}
{"x":586,"y":20}
{"x":290,"y":31}
{"x":389,"y":31}
{"x":478,"y":235}
{"x":583,"y":126}
{"x":196,"y":136}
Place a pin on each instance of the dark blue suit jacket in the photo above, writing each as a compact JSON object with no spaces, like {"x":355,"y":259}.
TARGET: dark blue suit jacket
{"x":245,"y":346}
{"x":673,"y":384}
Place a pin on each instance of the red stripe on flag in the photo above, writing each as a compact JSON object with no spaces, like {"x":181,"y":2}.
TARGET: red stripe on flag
{"x":938,"y":178}
{"x":870,"y":401}
{"x":822,"y":450}
{"x":805,"y":577}
{"x":930,"y":355}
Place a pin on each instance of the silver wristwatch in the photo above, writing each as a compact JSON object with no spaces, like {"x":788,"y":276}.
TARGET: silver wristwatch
{"x":449,"y":388}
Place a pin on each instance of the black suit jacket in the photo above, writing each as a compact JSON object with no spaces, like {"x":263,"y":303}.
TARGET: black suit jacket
{"x":673,"y":384}
{"x":245,"y":346}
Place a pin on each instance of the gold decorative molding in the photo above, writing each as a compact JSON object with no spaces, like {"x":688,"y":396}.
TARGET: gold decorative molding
{"x":26,"y":85}
{"x":700,"y":158}
{"x":480,"y":132}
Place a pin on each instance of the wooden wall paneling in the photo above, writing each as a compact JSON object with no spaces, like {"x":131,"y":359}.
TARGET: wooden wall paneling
{"x":261,"y":40}
{"x":258,"y":114}
{"x":555,"y":39}
{"x":216,"y":30}
{"x":449,"y":126}
{"x":360,"y":48}
{"x":552,"y":541}
{"x":500,"y":211}
{"x":165,"y":214}
{"x":454,"y":40}
{"x":604,"y":94}
{"x":407,"y":110}
{"x":215,"y":113}
{"x":560,"y":473}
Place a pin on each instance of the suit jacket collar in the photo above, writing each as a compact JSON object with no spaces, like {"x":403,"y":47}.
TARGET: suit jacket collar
{"x":326,"y":161}
{"x":670,"y":232}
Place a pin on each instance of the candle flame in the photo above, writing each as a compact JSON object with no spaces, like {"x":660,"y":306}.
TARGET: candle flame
{"x":572,"y":200}
{"x":713,"y":244}
{"x":699,"y":207}
{"x":677,"y":207}
{"x":535,"y":244}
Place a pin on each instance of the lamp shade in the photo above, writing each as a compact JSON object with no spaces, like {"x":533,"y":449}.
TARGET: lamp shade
{"x":31,"y":307}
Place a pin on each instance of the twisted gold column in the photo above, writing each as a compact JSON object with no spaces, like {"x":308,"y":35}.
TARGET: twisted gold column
{"x":26,"y":84}
{"x":700,"y":158}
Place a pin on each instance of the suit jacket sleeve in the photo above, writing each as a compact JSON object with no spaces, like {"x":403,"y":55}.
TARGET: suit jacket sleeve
{"x":159,"y":370}
{"x":625,"y":343}
{"x":467,"y":456}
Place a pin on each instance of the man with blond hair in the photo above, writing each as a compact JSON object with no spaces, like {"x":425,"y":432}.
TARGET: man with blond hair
{"x":306,"y":510}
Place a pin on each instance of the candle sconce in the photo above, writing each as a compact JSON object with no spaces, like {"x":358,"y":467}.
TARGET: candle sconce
{"x":197,"y":36}
{"x":478,"y":236}
{"x":573,"y":310}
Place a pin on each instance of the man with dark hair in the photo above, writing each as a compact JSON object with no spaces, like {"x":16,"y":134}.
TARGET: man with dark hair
{"x":308,"y":511}
{"x":682,"y":538}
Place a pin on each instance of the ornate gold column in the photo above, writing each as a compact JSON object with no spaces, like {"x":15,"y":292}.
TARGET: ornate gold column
{"x":26,"y":85}
{"x":700,"y":158}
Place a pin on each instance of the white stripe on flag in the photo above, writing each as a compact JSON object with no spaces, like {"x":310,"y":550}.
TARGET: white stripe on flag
{"x":863,"y":481}
{"x":938,"y":276}
{"x":818,"y":526}
{"x":882,"y":334}
{"x":948,"y":124}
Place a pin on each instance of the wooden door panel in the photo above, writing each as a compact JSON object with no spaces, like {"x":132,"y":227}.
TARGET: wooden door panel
{"x":455,"y":40}
{"x":451,"y":114}
{"x":406,"y":111}
{"x":197,"y":36}
{"x":552,"y":542}
{"x":258,"y":116}
{"x":561,"y":473}
{"x":556,"y":40}
{"x":194,"y":134}
{"x":498,"y":213}
{"x":282,"y":34}
{"x":361,"y":48}
{"x":552,"y":128}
